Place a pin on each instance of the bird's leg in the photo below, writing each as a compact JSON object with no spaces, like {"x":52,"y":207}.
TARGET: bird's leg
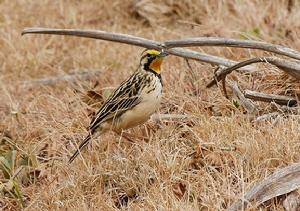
{"x":127,"y":136}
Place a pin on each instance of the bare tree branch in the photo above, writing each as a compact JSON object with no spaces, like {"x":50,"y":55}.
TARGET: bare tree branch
{"x":97,"y":34}
{"x":137,"y":41}
{"x":218,"y":41}
{"x":279,"y":99}
{"x":291,"y":68}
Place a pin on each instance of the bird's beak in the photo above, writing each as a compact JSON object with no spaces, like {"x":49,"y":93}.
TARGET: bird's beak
{"x":163,"y":54}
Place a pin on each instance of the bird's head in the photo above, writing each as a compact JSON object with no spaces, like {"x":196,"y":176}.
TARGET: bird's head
{"x":152,"y":60}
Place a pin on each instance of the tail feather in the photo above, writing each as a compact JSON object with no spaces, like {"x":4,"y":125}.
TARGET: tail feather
{"x":83,"y":144}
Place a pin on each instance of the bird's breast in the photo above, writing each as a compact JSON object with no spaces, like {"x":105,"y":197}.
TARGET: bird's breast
{"x":150,"y":101}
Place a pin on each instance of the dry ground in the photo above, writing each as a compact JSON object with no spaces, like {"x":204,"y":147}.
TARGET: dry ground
{"x":201,"y":165}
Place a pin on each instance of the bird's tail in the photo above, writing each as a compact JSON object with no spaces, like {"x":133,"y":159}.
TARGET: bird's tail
{"x":83,"y":144}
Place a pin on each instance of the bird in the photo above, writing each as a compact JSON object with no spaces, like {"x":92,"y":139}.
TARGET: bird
{"x":132,"y":103}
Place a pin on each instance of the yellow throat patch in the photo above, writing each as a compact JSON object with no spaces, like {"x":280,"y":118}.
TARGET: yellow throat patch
{"x":155,"y":65}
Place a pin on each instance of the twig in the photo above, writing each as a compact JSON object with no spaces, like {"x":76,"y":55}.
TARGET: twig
{"x":190,"y":68}
{"x":70,"y":78}
{"x":291,"y":68}
{"x":138,"y":41}
{"x":224,"y":88}
{"x":285,"y":109}
{"x":267,"y":116}
{"x":279,"y":99}
{"x":280,"y":182}
{"x":219,"y":41}
{"x":247,"y":104}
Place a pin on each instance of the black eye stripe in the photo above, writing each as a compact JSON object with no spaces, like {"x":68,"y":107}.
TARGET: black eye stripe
{"x":150,"y":57}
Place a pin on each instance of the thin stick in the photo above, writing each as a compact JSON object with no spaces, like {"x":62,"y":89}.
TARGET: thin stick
{"x":137,"y":41}
{"x":291,"y":68}
{"x":219,"y":41}
{"x":279,"y":99}
{"x":267,"y":116}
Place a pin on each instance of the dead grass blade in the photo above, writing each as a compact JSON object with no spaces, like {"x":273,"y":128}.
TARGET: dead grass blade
{"x":280,"y":182}
{"x":279,"y":99}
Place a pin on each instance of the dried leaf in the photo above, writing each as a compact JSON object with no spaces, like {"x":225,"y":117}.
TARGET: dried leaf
{"x":292,"y":201}
{"x":280,"y":182}
{"x":179,"y":189}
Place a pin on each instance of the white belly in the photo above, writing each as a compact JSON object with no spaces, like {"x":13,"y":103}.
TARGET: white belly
{"x":141,"y":112}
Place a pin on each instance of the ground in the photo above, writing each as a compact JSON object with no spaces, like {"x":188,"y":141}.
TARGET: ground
{"x":205,"y":163}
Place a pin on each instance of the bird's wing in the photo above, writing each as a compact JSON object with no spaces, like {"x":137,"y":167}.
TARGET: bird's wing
{"x":125,"y":97}
{"x":111,"y":109}
{"x":108,"y":110}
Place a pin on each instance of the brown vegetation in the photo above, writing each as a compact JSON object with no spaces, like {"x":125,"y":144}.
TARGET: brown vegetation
{"x":203,"y":163}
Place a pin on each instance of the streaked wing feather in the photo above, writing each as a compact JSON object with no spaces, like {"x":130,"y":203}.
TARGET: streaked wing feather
{"x":123,"y":98}
{"x":112,"y":109}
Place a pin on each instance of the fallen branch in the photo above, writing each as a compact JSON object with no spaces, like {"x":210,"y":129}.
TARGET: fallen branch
{"x":280,"y":182}
{"x":218,"y":41}
{"x":137,"y":41}
{"x":247,"y":104}
{"x":85,"y":75}
{"x":291,"y":68}
{"x":279,"y":99}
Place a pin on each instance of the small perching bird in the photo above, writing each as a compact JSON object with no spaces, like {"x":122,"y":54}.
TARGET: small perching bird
{"x":132,"y":103}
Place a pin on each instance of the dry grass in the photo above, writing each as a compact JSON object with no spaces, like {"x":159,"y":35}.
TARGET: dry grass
{"x":183,"y":166}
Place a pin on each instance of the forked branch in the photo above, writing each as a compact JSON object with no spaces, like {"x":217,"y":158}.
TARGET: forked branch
{"x":138,"y":41}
